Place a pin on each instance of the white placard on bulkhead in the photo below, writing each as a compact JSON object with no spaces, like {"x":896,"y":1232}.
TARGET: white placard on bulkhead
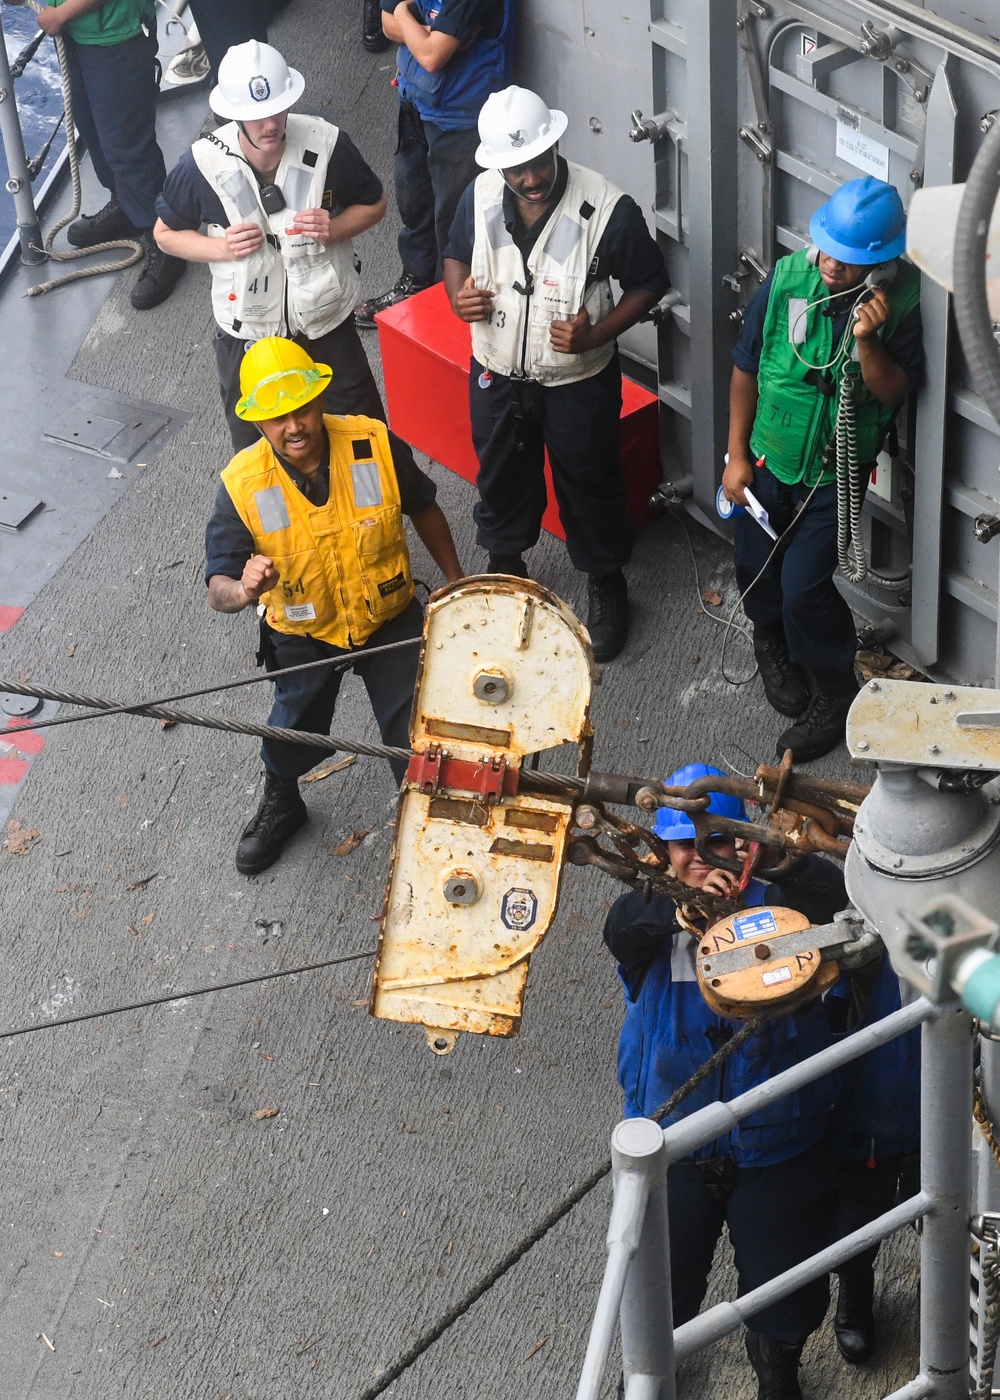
{"x":863,"y":152}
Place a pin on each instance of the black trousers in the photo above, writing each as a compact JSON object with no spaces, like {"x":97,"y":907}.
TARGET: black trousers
{"x":796,"y":588}
{"x":433,"y":168}
{"x":223,"y":23}
{"x":351,"y":390}
{"x":776,"y":1216}
{"x":512,"y":425}
{"x":114,"y":102}
{"x":863,"y":1193}
{"x":307,"y":701}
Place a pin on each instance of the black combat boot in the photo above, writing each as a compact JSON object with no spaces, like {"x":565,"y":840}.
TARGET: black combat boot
{"x":511,"y":564}
{"x":108,"y":223}
{"x":854,"y":1324}
{"x":824,"y":723}
{"x":371,"y":28}
{"x":280,"y":814}
{"x":784,"y":682}
{"x":406,"y":286}
{"x":777,"y":1366}
{"x":159,"y":275}
{"x":607,"y":614}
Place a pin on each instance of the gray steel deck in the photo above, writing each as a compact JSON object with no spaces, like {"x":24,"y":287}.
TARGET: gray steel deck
{"x":166,"y":1242}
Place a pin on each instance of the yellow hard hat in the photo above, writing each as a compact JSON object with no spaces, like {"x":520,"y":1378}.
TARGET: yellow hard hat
{"x":277,"y":376}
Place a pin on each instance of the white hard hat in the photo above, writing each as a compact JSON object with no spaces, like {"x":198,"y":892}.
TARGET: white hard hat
{"x":254,"y":82}
{"x":515,"y":126}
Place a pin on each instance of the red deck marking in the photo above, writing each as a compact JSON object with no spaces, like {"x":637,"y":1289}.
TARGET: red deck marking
{"x":8,"y":616}
{"x":24,"y":743}
{"x":12,"y":770}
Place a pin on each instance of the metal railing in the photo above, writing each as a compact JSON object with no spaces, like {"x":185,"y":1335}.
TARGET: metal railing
{"x":637,"y":1289}
{"x":19,"y":172}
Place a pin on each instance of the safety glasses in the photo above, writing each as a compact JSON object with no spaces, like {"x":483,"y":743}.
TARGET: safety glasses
{"x":295,"y":385}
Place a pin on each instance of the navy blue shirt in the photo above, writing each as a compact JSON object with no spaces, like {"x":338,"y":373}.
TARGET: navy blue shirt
{"x":626,"y":250}
{"x":905,"y":345}
{"x":188,"y":200}
{"x":229,"y":544}
{"x":462,"y":19}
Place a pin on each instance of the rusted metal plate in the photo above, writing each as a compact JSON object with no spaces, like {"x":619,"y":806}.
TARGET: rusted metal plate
{"x":506,"y":670}
{"x":505,"y":666}
{"x":947,"y":726}
{"x":450,"y":954}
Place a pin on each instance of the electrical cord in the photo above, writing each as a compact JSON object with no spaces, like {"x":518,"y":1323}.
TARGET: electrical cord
{"x":842,"y":346}
{"x":730,"y":623}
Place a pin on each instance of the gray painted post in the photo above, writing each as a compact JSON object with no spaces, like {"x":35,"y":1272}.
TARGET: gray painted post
{"x":946,"y":1177}
{"x":712,"y":87}
{"x":637,"y":1162}
{"x":19,"y":184}
{"x":916,"y":1389}
{"x":646,"y":1310}
{"x":929,"y":456}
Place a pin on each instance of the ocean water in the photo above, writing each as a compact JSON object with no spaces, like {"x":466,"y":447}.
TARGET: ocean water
{"x":39,"y":103}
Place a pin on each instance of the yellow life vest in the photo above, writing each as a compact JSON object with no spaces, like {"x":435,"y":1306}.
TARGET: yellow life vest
{"x":344,"y":567}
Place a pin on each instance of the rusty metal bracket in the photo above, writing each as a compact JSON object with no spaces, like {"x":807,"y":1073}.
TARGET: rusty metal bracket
{"x":434,"y":771}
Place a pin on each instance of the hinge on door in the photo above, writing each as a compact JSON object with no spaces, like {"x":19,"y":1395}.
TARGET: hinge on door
{"x":759,"y":147}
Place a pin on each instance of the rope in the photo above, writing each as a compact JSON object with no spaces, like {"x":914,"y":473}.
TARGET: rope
{"x":989,"y":1289}
{"x":559,"y":784}
{"x":183,"y":996}
{"x":58,"y":255}
{"x":543,"y":1226}
{"x":982,"y":1118}
{"x":331,"y":742}
{"x":115,"y":709}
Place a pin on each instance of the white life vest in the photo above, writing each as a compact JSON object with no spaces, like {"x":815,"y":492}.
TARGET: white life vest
{"x":292,"y":285}
{"x":514,"y":340}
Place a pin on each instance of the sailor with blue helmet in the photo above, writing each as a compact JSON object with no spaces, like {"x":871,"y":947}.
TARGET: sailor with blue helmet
{"x":842,"y":309}
{"x":771,"y":1179}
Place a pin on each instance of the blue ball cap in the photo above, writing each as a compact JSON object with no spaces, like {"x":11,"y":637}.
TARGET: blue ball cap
{"x":863,"y":223}
{"x":671,"y":825}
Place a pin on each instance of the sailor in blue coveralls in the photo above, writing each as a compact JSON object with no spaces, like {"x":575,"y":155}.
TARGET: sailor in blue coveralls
{"x":771,"y":1180}
{"x":452,"y":54}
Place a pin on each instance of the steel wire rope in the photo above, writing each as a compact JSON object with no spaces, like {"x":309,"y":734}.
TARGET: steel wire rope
{"x":185,"y":996}
{"x":537,"y":780}
{"x":114,"y":708}
{"x":69,"y":255}
{"x":517,"y":1252}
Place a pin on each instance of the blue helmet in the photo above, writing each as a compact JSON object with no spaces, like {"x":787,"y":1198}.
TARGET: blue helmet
{"x":671,"y":825}
{"x":863,"y":223}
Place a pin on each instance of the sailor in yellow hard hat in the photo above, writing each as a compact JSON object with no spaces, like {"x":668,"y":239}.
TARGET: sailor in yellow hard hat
{"x":308,"y":522}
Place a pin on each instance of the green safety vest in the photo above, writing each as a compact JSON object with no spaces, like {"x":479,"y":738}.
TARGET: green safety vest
{"x":795,"y":421}
{"x":111,"y":23}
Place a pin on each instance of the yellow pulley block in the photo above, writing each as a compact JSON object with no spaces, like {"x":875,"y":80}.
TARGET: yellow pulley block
{"x":760,"y":961}
{"x":506,"y":670}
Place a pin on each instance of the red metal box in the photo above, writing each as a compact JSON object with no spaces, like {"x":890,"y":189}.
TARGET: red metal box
{"x":426,"y":351}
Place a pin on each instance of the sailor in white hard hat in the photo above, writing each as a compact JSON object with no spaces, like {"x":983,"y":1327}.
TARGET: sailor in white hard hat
{"x":535,"y":241}
{"x":281,"y":196}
